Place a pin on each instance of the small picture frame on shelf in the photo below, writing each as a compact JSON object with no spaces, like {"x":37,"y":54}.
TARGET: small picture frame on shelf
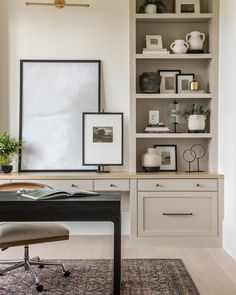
{"x":183,"y":82}
{"x":168,"y":81}
{"x":168,"y":156}
{"x":187,"y":6}
{"x":103,"y":139}
{"x":154,"y":42}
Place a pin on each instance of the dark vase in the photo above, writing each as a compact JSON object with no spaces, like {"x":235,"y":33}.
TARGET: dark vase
{"x":6,"y":168}
{"x":150,"y":82}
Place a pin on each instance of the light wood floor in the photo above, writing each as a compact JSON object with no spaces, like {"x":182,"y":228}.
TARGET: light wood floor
{"x":213,"y":270}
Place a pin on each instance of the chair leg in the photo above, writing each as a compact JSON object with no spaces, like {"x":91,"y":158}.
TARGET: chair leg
{"x":33,"y":272}
{"x":21,"y":264}
{"x":42,"y":263}
{"x":10,"y":261}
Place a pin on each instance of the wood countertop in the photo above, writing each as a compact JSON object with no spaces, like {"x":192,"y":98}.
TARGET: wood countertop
{"x":112,"y":175}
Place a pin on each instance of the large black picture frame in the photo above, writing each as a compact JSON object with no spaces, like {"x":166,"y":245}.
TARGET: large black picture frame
{"x":77,"y":90}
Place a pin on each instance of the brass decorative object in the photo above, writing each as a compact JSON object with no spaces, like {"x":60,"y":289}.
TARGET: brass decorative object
{"x":194,"y":85}
{"x":57,"y":4}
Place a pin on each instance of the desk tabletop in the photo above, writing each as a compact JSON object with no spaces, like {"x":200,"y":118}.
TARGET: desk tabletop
{"x":103,"y":197}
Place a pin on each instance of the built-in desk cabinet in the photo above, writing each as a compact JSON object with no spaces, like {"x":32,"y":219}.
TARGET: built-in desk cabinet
{"x":165,"y":209}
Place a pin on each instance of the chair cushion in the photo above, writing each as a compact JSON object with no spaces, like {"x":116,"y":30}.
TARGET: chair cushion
{"x":11,"y":232}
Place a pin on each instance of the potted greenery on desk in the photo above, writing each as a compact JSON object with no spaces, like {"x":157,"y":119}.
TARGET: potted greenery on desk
{"x":153,"y":6}
{"x":9,"y":146}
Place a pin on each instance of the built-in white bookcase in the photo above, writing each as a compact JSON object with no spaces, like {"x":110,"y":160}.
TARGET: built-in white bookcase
{"x":174,"y":26}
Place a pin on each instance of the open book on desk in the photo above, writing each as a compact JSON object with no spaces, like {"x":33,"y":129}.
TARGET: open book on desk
{"x":50,"y":194}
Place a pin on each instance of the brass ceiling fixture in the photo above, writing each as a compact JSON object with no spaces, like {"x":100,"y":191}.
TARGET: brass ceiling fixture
{"x":57,"y":4}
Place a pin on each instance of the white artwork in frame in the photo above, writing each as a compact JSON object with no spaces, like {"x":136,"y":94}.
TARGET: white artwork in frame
{"x":103,"y":139}
{"x":154,"y":42}
{"x":54,"y":95}
{"x":168,"y":81}
{"x":187,"y":6}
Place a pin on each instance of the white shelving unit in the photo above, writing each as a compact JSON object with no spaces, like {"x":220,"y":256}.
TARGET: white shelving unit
{"x":174,"y":26}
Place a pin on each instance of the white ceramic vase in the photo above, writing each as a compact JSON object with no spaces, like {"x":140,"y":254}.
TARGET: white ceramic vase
{"x":195,"y":40}
{"x":151,"y":9}
{"x":179,"y":47}
{"x":197,"y":123}
{"x":151,"y":160}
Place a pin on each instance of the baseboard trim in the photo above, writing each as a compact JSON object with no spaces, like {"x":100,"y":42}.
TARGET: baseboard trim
{"x":229,"y":240}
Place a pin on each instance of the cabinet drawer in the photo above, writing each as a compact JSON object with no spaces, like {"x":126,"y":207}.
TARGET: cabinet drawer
{"x":177,"y":185}
{"x":177,"y":214}
{"x":111,"y":185}
{"x":66,"y":184}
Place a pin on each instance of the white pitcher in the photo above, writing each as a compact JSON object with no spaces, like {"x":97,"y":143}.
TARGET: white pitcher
{"x":179,"y":47}
{"x":195,"y":40}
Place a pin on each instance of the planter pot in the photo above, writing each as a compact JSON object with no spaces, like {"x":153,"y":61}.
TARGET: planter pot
{"x":6,"y":168}
{"x":151,"y":160}
{"x":151,"y":8}
{"x":196,"y":123}
{"x":150,"y":82}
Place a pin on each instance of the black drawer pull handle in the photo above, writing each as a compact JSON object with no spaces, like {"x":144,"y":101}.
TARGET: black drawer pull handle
{"x":158,"y":185}
{"x":198,"y":185}
{"x":74,"y":185}
{"x":177,"y":214}
{"x":113,"y":185}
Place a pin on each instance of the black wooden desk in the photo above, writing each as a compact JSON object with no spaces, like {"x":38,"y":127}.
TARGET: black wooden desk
{"x":100,"y":208}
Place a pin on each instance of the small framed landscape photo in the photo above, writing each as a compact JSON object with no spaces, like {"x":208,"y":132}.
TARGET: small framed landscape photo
{"x":103,"y":139}
{"x":169,"y":157}
{"x":187,"y":6}
{"x":154,"y":42}
{"x":183,"y":82}
{"x":168,"y":81}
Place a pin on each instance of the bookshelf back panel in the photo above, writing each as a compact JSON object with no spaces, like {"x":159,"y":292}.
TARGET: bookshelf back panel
{"x":182,"y":145}
{"x":198,"y":67}
{"x":165,"y":106}
{"x":170,"y":32}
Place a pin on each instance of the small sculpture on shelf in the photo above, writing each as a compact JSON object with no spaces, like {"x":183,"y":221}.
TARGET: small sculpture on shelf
{"x":150,"y":82}
{"x":151,"y":160}
{"x":153,"y":6}
{"x":195,"y":40}
{"x":195,"y":153}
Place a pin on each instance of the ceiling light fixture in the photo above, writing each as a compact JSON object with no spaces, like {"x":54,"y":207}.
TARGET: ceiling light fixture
{"x":57,"y":4}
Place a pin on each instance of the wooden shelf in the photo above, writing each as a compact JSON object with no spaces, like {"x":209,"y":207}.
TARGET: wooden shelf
{"x":205,"y":56}
{"x":174,"y":18}
{"x":173,"y":96}
{"x":173,"y":135}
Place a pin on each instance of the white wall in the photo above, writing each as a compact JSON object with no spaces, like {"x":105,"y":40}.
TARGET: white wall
{"x":227,"y":144}
{"x":100,"y":32}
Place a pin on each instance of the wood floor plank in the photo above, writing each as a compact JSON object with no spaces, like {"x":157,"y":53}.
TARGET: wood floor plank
{"x":213,"y":270}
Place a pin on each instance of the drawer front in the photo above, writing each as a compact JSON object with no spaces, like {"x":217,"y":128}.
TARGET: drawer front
{"x":111,"y":185}
{"x":177,"y":214}
{"x":178,"y":185}
{"x":64,"y":184}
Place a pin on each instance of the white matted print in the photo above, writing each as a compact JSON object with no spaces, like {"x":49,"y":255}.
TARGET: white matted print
{"x":187,"y":6}
{"x":103,"y":139}
{"x":154,"y":42}
{"x":183,"y":82}
{"x":168,"y":156}
{"x":54,"y":95}
{"x":168,"y":81}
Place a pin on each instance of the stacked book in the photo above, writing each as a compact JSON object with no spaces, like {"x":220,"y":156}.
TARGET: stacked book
{"x":159,"y":128}
{"x":155,"y":51}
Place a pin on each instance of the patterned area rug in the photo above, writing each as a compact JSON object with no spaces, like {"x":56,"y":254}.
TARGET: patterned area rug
{"x":95,"y":277}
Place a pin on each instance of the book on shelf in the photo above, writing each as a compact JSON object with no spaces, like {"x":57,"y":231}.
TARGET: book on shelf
{"x":159,"y":128}
{"x":50,"y":194}
{"x":154,"y":49}
{"x":155,"y":52}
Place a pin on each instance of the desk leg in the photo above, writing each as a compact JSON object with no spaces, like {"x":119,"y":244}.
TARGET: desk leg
{"x":117,"y":256}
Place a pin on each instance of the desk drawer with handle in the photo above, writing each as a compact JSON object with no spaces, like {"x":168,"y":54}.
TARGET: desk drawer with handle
{"x":111,"y":185}
{"x":177,"y":214}
{"x":177,"y":185}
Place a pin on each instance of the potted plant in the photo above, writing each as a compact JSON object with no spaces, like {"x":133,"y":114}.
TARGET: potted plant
{"x":153,"y":6}
{"x":9,"y":146}
{"x":197,"y":115}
